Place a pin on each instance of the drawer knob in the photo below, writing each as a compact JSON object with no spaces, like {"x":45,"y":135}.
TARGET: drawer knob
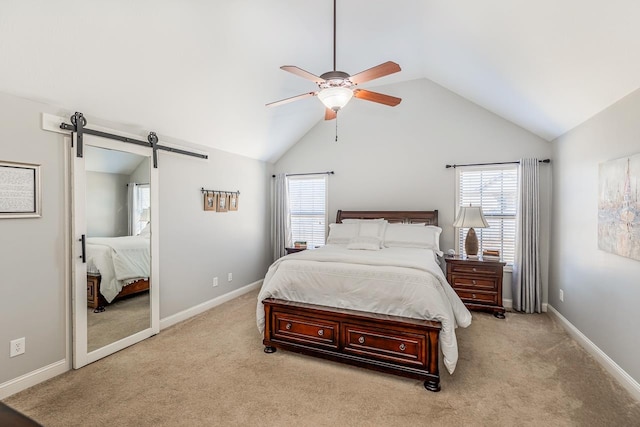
{"x":474,"y":269}
{"x":288,"y":326}
{"x":361,"y":340}
{"x":473,"y":281}
{"x":320,"y":332}
{"x":473,"y":295}
{"x":402,"y":347}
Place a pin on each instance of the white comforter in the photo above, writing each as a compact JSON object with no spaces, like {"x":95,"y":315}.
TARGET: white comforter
{"x":120,"y":261}
{"x":397,"y":281}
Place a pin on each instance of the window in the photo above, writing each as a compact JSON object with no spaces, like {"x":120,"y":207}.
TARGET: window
{"x":495,"y":189}
{"x":142,"y":204}
{"x":308,"y":208}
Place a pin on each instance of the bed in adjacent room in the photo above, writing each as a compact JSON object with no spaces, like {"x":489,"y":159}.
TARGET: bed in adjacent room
{"x":116,"y":267}
{"x":374,"y":296}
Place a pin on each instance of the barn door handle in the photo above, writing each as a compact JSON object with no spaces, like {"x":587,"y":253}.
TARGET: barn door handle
{"x":84,"y":248}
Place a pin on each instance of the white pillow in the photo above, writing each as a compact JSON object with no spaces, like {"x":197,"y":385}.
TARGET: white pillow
{"x":372,"y":229}
{"x":354,"y":220}
{"x":413,"y":236}
{"x":342,"y":233}
{"x":365,"y":243}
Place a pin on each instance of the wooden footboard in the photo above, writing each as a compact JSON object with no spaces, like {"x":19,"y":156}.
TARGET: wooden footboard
{"x":392,"y":344}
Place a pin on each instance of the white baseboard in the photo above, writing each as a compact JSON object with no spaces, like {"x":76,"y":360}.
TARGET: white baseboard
{"x":201,"y":308}
{"x":508,"y":303}
{"x":32,"y":378}
{"x":601,"y":357}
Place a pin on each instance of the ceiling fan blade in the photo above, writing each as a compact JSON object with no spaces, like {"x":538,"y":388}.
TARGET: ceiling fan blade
{"x":302,"y":73}
{"x":380,"y":98}
{"x":376,"y":72}
{"x":293,"y":98}
{"x":329,"y":114}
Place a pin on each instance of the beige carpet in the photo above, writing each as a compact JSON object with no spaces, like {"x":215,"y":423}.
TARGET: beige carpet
{"x":211,"y":370}
{"x":122,"y":318}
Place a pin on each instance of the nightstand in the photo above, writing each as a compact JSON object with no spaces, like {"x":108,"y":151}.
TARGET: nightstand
{"x":478,"y":283}
{"x":294,"y":250}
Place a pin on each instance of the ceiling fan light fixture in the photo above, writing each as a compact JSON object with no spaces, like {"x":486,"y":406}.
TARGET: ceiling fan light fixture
{"x":335,"y":98}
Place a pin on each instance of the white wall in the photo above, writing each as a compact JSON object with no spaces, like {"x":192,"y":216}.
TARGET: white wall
{"x":601,"y":290}
{"x":107,"y":211}
{"x":194,"y":245}
{"x":394,"y":158}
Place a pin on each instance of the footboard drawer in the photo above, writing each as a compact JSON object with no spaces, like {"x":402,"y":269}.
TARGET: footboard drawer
{"x":394,"y":346}
{"x":301,"y":329}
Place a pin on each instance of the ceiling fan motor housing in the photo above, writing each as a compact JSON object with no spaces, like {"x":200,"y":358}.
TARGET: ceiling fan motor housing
{"x":335,"y":79}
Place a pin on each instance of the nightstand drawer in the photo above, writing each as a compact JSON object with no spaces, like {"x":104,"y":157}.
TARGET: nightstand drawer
{"x":388,"y":345}
{"x":476,"y":269}
{"x":300,"y":329}
{"x":467,"y":295}
{"x":474,"y":282}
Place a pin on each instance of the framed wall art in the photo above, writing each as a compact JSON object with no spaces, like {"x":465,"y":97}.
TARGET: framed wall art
{"x":210,"y":201}
{"x":20,"y":193}
{"x":223,"y":202}
{"x":619,"y":207}
{"x":233,"y":201}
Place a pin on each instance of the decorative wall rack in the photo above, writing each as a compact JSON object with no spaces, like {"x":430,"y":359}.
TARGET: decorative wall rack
{"x":220,"y":200}
{"x":78,"y":123}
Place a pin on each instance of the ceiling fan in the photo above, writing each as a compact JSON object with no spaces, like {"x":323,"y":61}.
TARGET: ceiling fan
{"x":336,"y":88}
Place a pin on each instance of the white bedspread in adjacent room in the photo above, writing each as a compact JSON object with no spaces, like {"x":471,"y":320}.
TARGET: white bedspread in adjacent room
{"x":397,"y":281}
{"x":120,"y":261}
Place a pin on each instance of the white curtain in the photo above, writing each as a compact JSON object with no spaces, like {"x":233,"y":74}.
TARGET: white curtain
{"x":526,"y":286}
{"x":132,"y":199}
{"x":281,"y":224}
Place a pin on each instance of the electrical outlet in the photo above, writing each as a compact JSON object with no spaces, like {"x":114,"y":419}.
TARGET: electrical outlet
{"x":561,"y":295}
{"x":215,"y":282}
{"x":230,"y":277}
{"x":17,"y":347}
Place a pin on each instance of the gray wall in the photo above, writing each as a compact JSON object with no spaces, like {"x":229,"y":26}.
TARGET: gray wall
{"x":32,"y":250}
{"x":601,"y":290}
{"x":194,"y":245}
{"x":107,"y":211}
{"x":394,"y":158}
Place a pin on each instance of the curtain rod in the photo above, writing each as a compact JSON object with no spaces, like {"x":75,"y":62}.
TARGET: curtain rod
{"x":311,"y":173}
{"x":496,"y":163}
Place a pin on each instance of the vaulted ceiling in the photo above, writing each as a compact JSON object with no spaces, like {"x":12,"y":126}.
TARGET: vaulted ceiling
{"x":202,"y":71}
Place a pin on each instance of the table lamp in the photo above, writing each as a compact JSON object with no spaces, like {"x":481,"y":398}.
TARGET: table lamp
{"x":470,"y":217}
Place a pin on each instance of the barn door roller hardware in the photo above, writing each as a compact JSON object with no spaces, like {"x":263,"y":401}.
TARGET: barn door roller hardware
{"x":78,"y":123}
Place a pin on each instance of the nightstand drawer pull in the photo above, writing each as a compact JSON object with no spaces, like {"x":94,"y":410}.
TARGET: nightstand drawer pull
{"x":475,"y":269}
{"x":288,"y":327}
{"x":473,"y":295}
{"x":473,"y":281}
{"x":402,"y":347}
{"x":320,"y":332}
{"x":361,"y":340}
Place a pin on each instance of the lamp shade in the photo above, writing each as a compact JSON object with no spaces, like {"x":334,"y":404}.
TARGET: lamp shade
{"x":335,"y":98}
{"x":470,"y":216}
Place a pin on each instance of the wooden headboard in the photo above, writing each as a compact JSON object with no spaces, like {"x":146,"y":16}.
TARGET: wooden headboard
{"x":405,"y":217}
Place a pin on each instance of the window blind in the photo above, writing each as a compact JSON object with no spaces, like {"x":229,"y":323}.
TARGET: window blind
{"x":308,"y":208}
{"x":495,"y":189}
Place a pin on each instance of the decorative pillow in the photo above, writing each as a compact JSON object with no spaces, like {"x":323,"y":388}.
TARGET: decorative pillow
{"x":365,"y":243}
{"x":342,"y":233}
{"x":372,"y":229}
{"x":413,"y":236}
